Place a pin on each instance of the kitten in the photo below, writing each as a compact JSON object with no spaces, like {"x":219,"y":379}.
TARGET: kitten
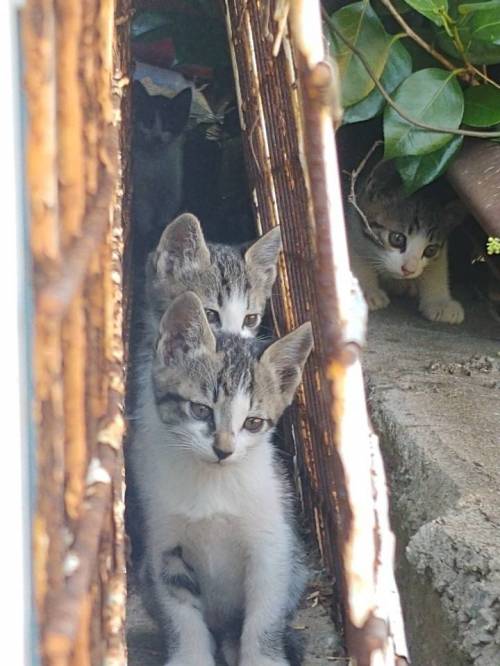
{"x":223,"y":567}
{"x":233,"y":283}
{"x":157,"y":166}
{"x":413,"y":255}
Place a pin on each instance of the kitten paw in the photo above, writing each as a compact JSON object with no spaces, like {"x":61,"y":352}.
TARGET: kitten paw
{"x":448,"y":311}
{"x":376,"y":299}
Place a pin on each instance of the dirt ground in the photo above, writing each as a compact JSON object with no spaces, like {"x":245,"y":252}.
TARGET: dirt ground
{"x":323,"y":642}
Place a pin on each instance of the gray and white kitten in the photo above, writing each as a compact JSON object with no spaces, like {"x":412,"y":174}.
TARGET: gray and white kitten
{"x":233,"y":283}
{"x":412,"y":256}
{"x":223,"y":568}
{"x":158,"y":150}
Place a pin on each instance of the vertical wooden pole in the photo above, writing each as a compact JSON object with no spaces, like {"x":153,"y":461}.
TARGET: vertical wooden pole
{"x":374,"y":625}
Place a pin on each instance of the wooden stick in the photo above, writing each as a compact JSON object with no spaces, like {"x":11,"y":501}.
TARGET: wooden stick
{"x":374,"y":625}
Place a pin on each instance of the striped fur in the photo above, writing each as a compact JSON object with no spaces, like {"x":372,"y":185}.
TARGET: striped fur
{"x":223,"y":565}
{"x":411,"y":253}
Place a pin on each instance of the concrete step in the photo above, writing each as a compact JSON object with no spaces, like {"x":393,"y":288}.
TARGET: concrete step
{"x":434,"y":394}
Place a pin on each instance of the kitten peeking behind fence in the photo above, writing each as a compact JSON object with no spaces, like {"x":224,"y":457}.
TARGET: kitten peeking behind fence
{"x":158,"y":151}
{"x":406,"y":251}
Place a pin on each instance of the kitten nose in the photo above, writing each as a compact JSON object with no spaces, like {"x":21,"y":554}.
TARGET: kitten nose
{"x":407,"y":271}
{"x":221,"y":455}
{"x":224,"y":445}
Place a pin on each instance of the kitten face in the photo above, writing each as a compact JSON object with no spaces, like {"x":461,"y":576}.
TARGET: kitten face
{"x":232,"y":284}
{"x":412,"y":230}
{"x":221,"y":395}
{"x":158,"y":119}
{"x":411,"y":235}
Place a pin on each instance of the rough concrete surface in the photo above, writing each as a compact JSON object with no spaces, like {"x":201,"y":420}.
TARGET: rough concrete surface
{"x":322,"y":639}
{"x":434,"y":393}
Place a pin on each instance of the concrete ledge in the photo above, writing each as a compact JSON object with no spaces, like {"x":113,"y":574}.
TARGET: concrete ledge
{"x":434,"y":393}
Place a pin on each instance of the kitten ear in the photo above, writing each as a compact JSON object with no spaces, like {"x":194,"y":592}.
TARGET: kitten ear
{"x":286,"y":358}
{"x":261,"y":258}
{"x":178,"y":110}
{"x":454,"y":213}
{"x":184,"y":329}
{"x":383,"y":182}
{"x":182,"y":247}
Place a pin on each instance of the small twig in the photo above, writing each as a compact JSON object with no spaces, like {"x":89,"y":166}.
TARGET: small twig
{"x":455,"y":36}
{"x":436,"y":54}
{"x":416,"y":38}
{"x":252,"y":148}
{"x":352,"y":193}
{"x":268,"y":35}
{"x":242,"y":16}
{"x":396,"y":107}
{"x":280,"y":16}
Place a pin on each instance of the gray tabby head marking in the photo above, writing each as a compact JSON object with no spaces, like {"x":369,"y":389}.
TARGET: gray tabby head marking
{"x":412,"y":229}
{"x":233,"y":284}
{"x":221,"y":395}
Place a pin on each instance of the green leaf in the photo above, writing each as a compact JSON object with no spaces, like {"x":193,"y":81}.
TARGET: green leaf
{"x":478,"y":27}
{"x":482,"y":106}
{"x":399,"y":5}
{"x":486,"y":26}
{"x":397,"y":69}
{"x":478,"y":52}
{"x":431,"y":9}
{"x":359,"y":24}
{"x":432,"y":96}
{"x":419,"y":170}
{"x":469,"y":7}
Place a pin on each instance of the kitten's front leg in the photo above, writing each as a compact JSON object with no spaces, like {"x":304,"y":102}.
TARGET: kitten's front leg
{"x":436,"y":302}
{"x":267,"y":589}
{"x":376,"y":298}
{"x":177,"y":596}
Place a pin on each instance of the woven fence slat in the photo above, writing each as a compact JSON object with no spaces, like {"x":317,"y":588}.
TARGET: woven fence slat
{"x":279,"y":188}
{"x":291,"y":161}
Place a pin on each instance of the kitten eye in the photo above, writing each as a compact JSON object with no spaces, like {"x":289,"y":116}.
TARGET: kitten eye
{"x":397,"y":240}
{"x":200,"y":412}
{"x":212,"y":317}
{"x":431,"y":251}
{"x":251,"y":320}
{"x":253,"y":424}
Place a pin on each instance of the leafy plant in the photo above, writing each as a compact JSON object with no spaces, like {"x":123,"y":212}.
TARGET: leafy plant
{"x":429,"y":81}
{"x":493,"y":245}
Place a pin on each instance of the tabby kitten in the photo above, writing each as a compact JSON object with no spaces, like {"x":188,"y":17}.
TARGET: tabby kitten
{"x":232,"y":282}
{"x":412,"y":256}
{"x":158,"y":150}
{"x":223,"y":568}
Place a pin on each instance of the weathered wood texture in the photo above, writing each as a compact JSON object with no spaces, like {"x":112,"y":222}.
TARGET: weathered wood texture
{"x":475,"y":174}
{"x":74,"y":87}
{"x":269,"y":114}
{"x":285,"y":106}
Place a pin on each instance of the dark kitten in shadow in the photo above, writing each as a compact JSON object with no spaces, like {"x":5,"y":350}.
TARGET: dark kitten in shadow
{"x":157,"y":151}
